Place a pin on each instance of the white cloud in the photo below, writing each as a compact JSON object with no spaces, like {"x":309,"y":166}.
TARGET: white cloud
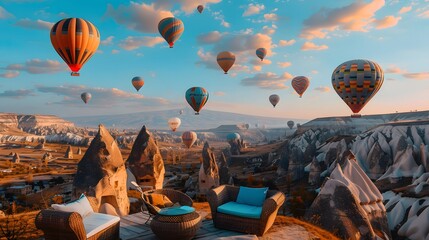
{"x":10,"y":74}
{"x":209,"y":38}
{"x":17,"y":94}
{"x":269,"y":30}
{"x":307,"y":46}
{"x":417,"y":76}
{"x":284,"y":43}
{"x":323,"y":89}
{"x":140,"y":17}
{"x":219,"y":94}
{"x":386,"y":22}
{"x":284,"y":64}
{"x":220,"y":17}
{"x":253,"y":9}
{"x":4,"y":14}
{"x":424,"y":14}
{"x":107,"y":41}
{"x":267,"y":80}
{"x":37,"y":66}
{"x":131,"y":43}
{"x":394,"y":70}
{"x":405,"y":9}
{"x":115,"y":51}
{"x":38,"y":24}
{"x":271,"y":17}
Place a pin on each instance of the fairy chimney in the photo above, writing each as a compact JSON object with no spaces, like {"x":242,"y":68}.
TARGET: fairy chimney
{"x":69,"y":153}
{"x":102,"y":174}
{"x":16,"y":158}
{"x":224,"y":175}
{"x":209,"y":173}
{"x":79,"y":151}
{"x":145,"y":161}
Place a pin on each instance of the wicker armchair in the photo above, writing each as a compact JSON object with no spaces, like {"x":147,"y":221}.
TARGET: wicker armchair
{"x":174,"y":195}
{"x":69,"y":225}
{"x":226,"y":193}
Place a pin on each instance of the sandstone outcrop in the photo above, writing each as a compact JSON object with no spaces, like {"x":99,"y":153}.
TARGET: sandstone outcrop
{"x":208,"y":176}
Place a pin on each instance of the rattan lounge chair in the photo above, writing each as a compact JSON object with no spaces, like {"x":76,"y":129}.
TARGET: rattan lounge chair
{"x":69,"y":225}
{"x":226,"y":193}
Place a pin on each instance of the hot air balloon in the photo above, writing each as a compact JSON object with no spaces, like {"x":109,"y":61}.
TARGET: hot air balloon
{"x":200,"y":8}
{"x":174,"y":123}
{"x":356,"y":82}
{"x":225,"y":60}
{"x":181,"y":111}
{"x":189,"y":138}
{"x":290,"y":124}
{"x":75,"y":40}
{"x":274,"y":99}
{"x":197,"y":98}
{"x":300,"y":84}
{"x":261,"y":53}
{"x":137,"y":82}
{"x":232,"y":137}
{"x":86,"y":97}
{"x":171,"y":29}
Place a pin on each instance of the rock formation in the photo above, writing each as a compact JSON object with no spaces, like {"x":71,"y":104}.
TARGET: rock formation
{"x":145,"y":161}
{"x":224,"y":175}
{"x":349,"y":204}
{"x":79,"y":151}
{"x":69,"y":153}
{"x":208,"y":176}
{"x":102,"y":173}
{"x":40,"y":146}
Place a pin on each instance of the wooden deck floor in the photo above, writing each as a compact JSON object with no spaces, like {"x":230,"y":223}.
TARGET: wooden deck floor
{"x":133,"y":227}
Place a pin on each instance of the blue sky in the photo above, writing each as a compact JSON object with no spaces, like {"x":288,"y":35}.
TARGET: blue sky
{"x":303,"y":37}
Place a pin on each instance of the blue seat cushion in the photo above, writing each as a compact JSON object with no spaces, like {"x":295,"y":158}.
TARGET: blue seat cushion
{"x":252,"y":196}
{"x":240,"y":210}
{"x":175,"y":211}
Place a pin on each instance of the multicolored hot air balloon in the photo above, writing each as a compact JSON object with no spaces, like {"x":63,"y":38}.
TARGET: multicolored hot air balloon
{"x":137,"y":82}
{"x":290,"y":124}
{"x":225,"y":60}
{"x":274,"y":99}
{"x":174,"y":123}
{"x":261,"y":53}
{"x":197,"y":98}
{"x":356,"y":82}
{"x":189,"y":138}
{"x":232,"y":137}
{"x":171,"y":29}
{"x":200,"y":8}
{"x":75,"y":40}
{"x":300,"y":84}
{"x":86,"y":97}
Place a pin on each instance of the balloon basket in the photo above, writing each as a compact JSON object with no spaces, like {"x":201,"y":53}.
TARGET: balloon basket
{"x":74,"y":74}
{"x":197,"y":113}
{"x":356,"y":115}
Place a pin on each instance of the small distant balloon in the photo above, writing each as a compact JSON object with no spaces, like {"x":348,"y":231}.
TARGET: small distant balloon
{"x":189,"y":138}
{"x":356,"y":82}
{"x":171,"y":29}
{"x":137,"y":82}
{"x":290,"y":124}
{"x":174,"y":123}
{"x":225,"y":60}
{"x":232,"y":137}
{"x":197,"y":97}
{"x":300,"y":84}
{"x":261,"y":53}
{"x":274,"y":99}
{"x":200,"y":8}
{"x":85,"y":97}
{"x":181,"y":111}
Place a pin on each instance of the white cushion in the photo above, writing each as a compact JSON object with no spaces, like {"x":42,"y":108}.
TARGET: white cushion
{"x":96,"y":222}
{"x":81,"y":206}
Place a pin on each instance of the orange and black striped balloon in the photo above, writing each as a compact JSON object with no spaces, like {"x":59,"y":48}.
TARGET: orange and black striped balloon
{"x":75,"y":40}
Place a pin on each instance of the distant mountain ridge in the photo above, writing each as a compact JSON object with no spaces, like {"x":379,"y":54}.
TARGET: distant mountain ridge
{"x":158,"y":120}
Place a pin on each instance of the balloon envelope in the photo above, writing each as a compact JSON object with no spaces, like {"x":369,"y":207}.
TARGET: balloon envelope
{"x":86,"y":97}
{"x":274,"y":99}
{"x":197,"y":97}
{"x":189,"y":138}
{"x":75,"y":40}
{"x":225,"y":60}
{"x":290,"y":124}
{"x":300,"y":84}
{"x":232,"y":137}
{"x":200,"y":8}
{"x":357,"y":81}
{"x":174,"y":123}
{"x":261,"y":53}
{"x":171,"y":29}
{"x":137,"y":82}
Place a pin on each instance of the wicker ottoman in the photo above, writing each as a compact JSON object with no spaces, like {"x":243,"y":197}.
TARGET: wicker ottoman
{"x":176,"y":227}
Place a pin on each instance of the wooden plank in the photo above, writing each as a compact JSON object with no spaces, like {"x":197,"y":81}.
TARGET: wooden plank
{"x":137,"y":218}
{"x":132,"y":226}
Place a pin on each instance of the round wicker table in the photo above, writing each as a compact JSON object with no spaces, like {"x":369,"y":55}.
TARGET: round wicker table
{"x":176,"y":227}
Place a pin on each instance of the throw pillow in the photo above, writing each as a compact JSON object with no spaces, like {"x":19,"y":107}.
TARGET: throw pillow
{"x":160,"y":200}
{"x":81,"y":206}
{"x":252,"y":196}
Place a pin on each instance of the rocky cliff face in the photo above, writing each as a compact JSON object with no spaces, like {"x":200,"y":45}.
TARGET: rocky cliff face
{"x":350,"y":204}
{"x":145,"y":161}
{"x":208,"y":176}
{"x":102,"y":173}
{"x":35,"y":121}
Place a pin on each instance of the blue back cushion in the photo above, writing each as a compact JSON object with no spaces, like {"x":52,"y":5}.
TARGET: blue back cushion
{"x":252,"y":196}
